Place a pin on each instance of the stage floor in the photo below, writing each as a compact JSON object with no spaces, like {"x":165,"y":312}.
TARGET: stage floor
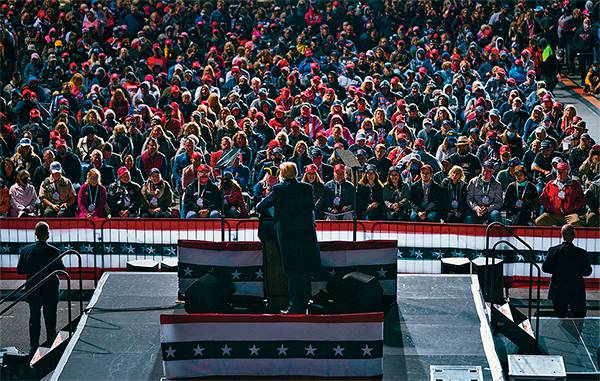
{"x":439,"y":320}
{"x":577,"y":340}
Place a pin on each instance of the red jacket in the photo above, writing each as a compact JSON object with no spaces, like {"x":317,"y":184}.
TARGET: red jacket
{"x":573,"y":201}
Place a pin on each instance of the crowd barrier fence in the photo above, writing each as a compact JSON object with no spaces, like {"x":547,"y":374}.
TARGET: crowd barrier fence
{"x":107,"y":244}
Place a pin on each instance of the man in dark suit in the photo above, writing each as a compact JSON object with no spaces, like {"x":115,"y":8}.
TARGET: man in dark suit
{"x":426,"y":198}
{"x":33,"y":259}
{"x":294,"y":205}
{"x":568,"y":264}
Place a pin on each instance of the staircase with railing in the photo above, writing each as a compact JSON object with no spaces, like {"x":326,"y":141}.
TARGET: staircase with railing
{"x":48,"y":354}
{"x":506,"y":319}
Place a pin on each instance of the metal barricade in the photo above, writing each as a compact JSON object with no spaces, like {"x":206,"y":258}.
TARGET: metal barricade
{"x":65,"y":233}
{"x":123,"y":240}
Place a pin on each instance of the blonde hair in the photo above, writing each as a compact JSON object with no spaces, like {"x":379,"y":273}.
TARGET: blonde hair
{"x":456,"y":169}
{"x":91,"y":173}
{"x":288,"y":170}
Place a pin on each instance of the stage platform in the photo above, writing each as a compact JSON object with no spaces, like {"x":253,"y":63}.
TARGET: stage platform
{"x":577,"y":340}
{"x":439,"y":320}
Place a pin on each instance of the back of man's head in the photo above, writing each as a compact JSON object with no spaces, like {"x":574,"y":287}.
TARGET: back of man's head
{"x":568,"y":232}
{"x":42,"y":231}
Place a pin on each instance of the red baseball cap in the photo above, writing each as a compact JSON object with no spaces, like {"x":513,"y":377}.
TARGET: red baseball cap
{"x":122,"y":170}
{"x":311,"y":168}
{"x":492,"y":134}
{"x":339,"y":168}
{"x":338,"y":145}
{"x":420,"y":142}
{"x":504,"y":149}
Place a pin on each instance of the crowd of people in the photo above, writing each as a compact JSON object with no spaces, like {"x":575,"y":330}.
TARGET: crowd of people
{"x":126,"y":108}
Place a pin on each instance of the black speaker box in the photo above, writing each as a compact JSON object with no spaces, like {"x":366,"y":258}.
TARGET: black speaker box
{"x":356,"y":292}
{"x":210,"y":293}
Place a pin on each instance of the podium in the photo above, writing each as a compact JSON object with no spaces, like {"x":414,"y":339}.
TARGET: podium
{"x":276,"y":288}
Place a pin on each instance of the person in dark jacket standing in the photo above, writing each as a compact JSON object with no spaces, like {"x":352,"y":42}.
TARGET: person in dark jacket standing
{"x":33,"y":258}
{"x":294,"y":205}
{"x":568,"y":264}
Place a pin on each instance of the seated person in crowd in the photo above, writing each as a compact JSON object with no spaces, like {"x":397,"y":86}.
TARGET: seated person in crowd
{"x":202,"y":199}
{"x":156,"y":196}
{"x":455,"y":189}
{"x":341,"y":195}
{"x":563,"y":200}
{"x":484,"y":196}
{"x":592,"y":196}
{"x":235,"y":205}
{"x":24,"y":200}
{"x":426,"y":198}
{"x":369,"y":198}
{"x":124,"y":196}
{"x":521,"y":199}
{"x":57,"y":194}
{"x":92,"y":196}
{"x":396,"y":197}
{"x":320,"y":193}
{"x":107,"y":172}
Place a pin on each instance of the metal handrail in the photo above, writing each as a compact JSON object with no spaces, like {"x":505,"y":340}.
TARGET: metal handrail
{"x":488,"y":229}
{"x":539,"y":274}
{"x":32,"y":279}
{"x":40,"y":284}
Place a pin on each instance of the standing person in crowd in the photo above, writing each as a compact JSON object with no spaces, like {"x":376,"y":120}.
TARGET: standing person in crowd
{"x":32,"y":260}
{"x":294,"y":205}
{"x":568,"y":265}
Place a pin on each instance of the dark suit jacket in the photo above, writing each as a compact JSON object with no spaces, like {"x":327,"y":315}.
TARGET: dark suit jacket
{"x":568,"y":264}
{"x":294,"y":225}
{"x":436,"y":198}
{"x":34,"y":258}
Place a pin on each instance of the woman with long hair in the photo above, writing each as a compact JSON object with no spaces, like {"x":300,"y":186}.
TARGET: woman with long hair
{"x":91,"y":198}
{"x":119,"y":104}
{"x":300,"y":156}
{"x":312,"y":177}
{"x":396,"y":197}
{"x":240,"y":140}
{"x":369,"y":198}
{"x":8,"y":174}
{"x":121,"y":143}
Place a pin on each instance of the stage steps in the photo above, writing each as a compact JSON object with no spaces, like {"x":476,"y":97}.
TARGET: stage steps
{"x":515,"y":326}
{"x":48,"y":355}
